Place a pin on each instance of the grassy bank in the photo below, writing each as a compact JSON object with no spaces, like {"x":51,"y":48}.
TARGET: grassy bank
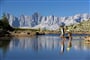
{"x":82,"y":28}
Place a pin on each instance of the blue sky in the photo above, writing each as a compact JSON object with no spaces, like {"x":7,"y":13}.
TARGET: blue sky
{"x":45,"y":7}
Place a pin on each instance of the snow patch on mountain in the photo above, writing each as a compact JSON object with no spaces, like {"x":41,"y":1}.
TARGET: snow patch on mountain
{"x":45,"y":22}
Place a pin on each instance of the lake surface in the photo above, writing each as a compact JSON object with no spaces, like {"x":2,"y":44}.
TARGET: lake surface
{"x":44,"y":47}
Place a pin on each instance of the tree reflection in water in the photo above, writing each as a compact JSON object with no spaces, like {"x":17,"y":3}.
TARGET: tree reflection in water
{"x":4,"y":46}
{"x":68,"y":45}
{"x":62,"y":46}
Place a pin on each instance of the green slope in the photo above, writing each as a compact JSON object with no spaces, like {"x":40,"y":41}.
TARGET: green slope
{"x":81,"y":27}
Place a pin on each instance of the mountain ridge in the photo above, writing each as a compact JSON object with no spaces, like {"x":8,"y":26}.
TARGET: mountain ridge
{"x":51,"y":22}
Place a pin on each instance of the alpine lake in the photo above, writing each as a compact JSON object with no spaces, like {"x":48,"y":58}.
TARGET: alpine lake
{"x":44,"y":47}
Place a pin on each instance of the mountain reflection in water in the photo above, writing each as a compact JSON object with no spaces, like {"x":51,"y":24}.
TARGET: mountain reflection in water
{"x":42,"y":43}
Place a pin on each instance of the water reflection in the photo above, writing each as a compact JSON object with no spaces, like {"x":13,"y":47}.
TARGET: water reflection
{"x":42,"y":43}
{"x":47,"y":45}
{"x":45,"y":42}
{"x":62,"y":46}
{"x":68,"y":45}
{"x":4,"y":46}
{"x":35,"y":43}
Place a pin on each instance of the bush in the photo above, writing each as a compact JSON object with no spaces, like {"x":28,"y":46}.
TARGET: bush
{"x":4,"y":24}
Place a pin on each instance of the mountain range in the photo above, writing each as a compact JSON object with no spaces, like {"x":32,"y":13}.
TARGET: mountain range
{"x":45,"y":22}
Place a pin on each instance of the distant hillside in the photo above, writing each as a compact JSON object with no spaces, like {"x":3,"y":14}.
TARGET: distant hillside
{"x":81,"y":27}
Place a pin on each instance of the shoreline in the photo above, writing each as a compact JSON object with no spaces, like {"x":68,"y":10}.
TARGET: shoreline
{"x":34,"y":33}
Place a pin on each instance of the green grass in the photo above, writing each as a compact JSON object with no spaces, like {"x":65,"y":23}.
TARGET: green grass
{"x":83,"y":26}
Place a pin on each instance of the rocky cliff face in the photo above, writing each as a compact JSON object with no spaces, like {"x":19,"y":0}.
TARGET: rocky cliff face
{"x":45,"y":22}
